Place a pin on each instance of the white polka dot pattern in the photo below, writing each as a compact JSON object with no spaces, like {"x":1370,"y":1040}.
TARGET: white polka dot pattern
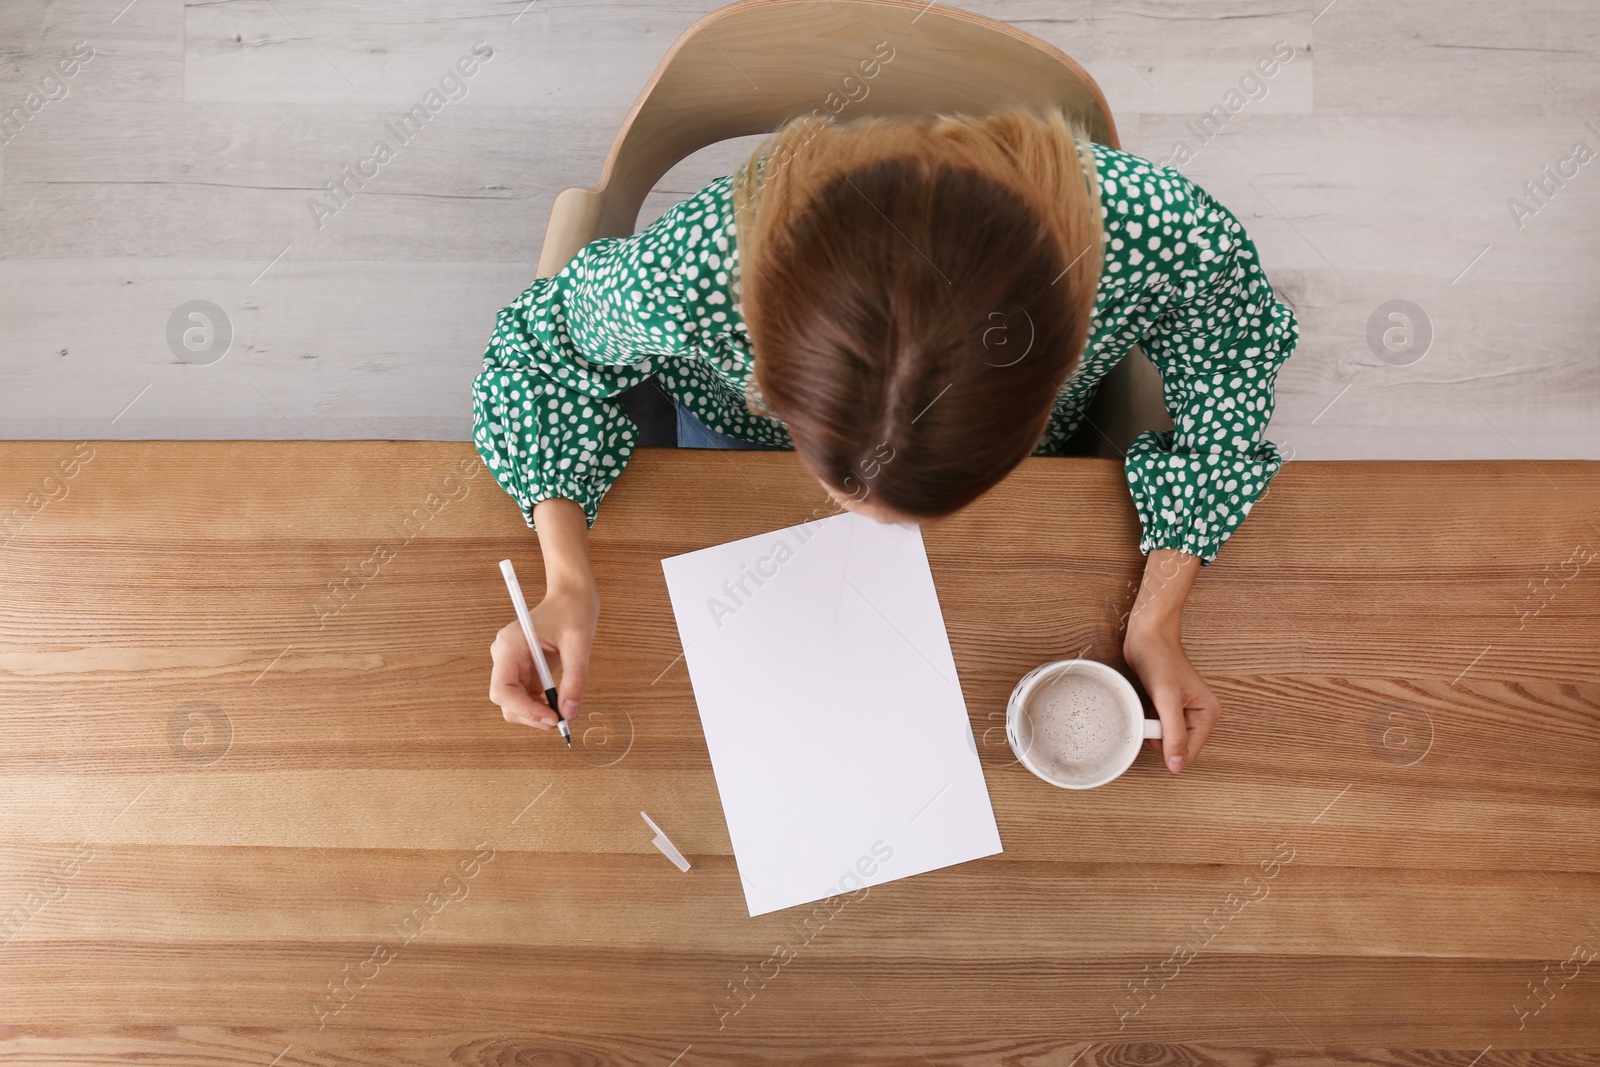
{"x":1180,"y":277}
{"x":1183,"y":279}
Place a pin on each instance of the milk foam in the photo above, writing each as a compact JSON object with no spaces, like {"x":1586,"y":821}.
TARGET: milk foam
{"x":1080,"y":729}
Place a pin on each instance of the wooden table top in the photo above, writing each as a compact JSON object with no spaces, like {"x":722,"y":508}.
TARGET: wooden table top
{"x":256,"y":802}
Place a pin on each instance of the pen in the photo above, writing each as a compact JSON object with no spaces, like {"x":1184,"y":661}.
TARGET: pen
{"x":533,"y":643}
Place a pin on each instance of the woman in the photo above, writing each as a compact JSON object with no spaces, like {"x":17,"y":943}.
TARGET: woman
{"x":913,"y":305}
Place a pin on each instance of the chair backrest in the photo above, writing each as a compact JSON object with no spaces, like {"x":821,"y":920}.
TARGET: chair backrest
{"x":748,"y":67}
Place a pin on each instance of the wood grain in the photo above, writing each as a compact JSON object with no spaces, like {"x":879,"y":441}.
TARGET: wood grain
{"x":194,"y":894}
{"x":1377,"y":165}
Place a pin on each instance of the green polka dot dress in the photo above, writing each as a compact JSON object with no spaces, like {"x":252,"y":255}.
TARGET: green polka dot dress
{"x":1181,"y":278}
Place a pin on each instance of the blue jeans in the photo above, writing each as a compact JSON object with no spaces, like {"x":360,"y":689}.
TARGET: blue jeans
{"x":692,"y":433}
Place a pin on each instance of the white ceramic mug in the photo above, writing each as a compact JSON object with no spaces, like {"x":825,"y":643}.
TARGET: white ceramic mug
{"x":1127,"y":701}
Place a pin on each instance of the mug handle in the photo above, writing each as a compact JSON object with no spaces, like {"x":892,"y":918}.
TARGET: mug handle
{"x":1152,"y":729}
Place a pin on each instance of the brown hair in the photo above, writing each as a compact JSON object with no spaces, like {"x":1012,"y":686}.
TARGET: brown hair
{"x":920,"y":284}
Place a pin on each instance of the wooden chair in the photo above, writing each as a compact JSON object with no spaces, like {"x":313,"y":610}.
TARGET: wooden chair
{"x":748,"y":67}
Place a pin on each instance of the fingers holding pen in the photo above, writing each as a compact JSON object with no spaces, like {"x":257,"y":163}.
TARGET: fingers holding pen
{"x":511,"y":681}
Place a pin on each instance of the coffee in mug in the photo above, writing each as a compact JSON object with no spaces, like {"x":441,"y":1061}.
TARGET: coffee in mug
{"x":1076,"y":723}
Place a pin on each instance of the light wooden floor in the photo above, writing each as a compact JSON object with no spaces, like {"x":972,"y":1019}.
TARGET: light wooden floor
{"x":216,"y":799}
{"x":1377,"y":166}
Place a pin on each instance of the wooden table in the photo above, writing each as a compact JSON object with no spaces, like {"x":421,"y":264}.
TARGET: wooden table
{"x":230,"y":786}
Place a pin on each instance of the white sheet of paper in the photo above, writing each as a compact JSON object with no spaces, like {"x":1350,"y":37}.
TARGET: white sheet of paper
{"x":837,"y":729}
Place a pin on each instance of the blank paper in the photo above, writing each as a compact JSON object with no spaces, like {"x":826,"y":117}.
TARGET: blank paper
{"x":837,"y":730}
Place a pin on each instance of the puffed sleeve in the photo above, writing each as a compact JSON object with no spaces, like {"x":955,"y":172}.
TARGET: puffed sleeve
{"x":545,"y":417}
{"x":1218,"y":341}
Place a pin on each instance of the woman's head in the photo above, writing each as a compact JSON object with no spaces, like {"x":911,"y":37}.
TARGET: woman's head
{"x":917,"y":290}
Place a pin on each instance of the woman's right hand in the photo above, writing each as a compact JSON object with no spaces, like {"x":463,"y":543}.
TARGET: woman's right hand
{"x":565,"y":622}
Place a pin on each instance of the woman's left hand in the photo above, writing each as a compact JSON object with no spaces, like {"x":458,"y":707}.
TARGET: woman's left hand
{"x":1153,"y":646}
{"x":1186,"y":704}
